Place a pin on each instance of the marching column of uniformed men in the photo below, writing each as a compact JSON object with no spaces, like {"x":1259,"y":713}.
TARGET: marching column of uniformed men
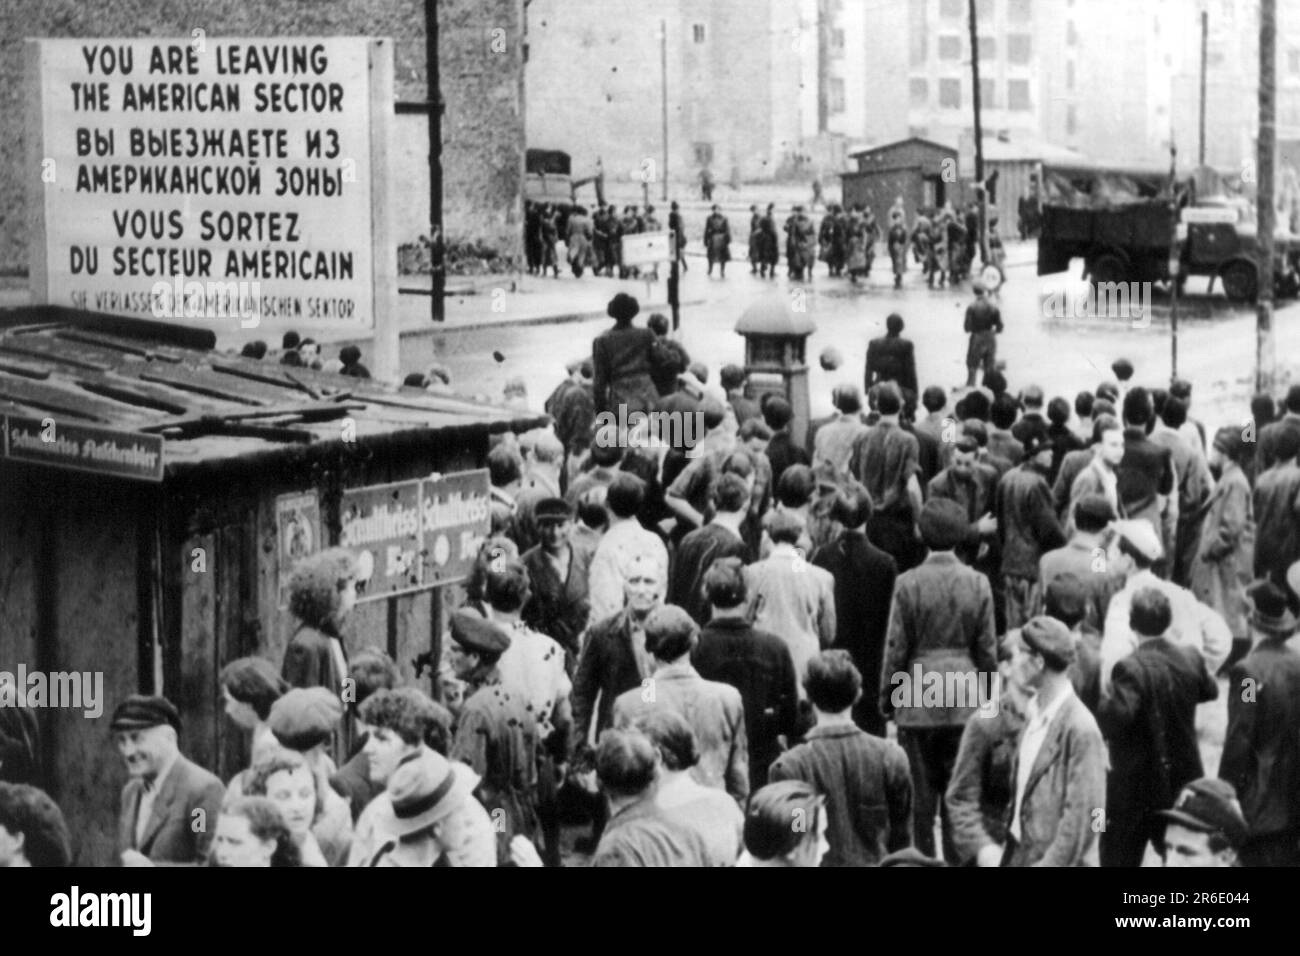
{"x":674,"y":636}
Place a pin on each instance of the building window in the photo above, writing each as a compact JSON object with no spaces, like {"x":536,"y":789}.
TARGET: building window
{"x":917,"y":33}
{"x":1020,"y":48}
{"x":952,"y":9}
{"x":703,"y":154}
{"x":1069,"y":74}
{"x":949,"y":48}
{"x":918,"y":91}
{"x":1071,"y":35}
{"x":988,"y":48}
{"x":1071,"y":121}
{"x":836,"y":91}
{"x":1018,"y":95}
{"x":697,"y":32}
{"x":1019,"y":11}
{"x":950,"y":94}
{"x":988,"y":97}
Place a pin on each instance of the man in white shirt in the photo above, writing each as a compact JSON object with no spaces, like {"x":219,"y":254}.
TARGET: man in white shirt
{"x":1136,"y":549}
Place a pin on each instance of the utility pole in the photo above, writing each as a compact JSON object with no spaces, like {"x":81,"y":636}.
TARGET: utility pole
{"x":1205,"y":42}
{"x":1264,"y":345}
{"x":437,"y":263}
{"x":979,"y":134}
{"x":663,"y":76}
{"x":1175,"y":259}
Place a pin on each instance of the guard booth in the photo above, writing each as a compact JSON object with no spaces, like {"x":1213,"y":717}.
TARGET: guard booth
{"x":776,"y":338}
{"x":154,"y":496}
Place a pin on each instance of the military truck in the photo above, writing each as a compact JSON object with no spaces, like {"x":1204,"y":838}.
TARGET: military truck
{"x":1122,"y":224}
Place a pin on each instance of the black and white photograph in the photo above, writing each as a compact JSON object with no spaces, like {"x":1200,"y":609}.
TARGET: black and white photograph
{"x":651,"y":433}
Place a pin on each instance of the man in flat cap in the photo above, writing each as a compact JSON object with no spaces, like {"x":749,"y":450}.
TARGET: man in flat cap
{"x":1059,"y":772}
{"x":941,"y":623}
{"x":1134,"y":551}
{"x":1261,"y":748}
{"x":1148,"y":718}
{"x":1205,"y":827}
{"x":496,"y":735}
{"x":714,"y":710}
{"x":558,"y":575}
{"x":170,"y":805}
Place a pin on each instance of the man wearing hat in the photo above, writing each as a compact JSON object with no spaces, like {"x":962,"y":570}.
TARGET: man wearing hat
{"x":1148,"y":718}
{"x":1059,"y":771}
{"x":167,"y":794}
{"x":558,"y":572}
{"x":1027,"y":526}
{"x":983,"y":322}
{"x":941,"y":623}
{"x":1133,"y":552}
{"x":621,"y":361}
{"x":496,"y":734}
{"x":717,"y":241}
{"x":1261,"y":748}
{"x":1205,"y":827}
{"x":428,"y":816}
{"x":714,"y":710}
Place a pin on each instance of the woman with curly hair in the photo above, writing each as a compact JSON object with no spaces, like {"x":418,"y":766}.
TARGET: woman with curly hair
{"x":252,"y":832}
{"x":286,"y":779}
{"x":32,"y":829}
{"x":322,"y":592}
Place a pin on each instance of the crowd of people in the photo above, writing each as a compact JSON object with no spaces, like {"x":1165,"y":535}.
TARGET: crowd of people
{"x":695,"y":642}
{"x":942,"y":241}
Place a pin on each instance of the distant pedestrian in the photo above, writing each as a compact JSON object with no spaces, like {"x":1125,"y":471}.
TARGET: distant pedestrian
{"x":717,"y":241}
{"x":984,"y":323}
{"x":621,"y":361}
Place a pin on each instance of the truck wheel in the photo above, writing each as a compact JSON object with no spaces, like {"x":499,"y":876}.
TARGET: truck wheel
{"x":1107,"y":268}
{"x":1240,"y":282}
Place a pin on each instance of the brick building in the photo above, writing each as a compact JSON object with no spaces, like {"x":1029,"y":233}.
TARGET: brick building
{"x":481,"y":49}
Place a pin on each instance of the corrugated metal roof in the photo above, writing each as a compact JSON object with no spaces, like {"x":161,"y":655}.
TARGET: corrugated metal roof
{"x":209,"y":407}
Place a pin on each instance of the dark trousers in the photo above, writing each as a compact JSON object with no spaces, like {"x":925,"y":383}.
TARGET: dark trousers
{"x":895,"y":534}
{"x":932,"y":752}
{"x":548,"y":809}
{"x":1271,"y":849}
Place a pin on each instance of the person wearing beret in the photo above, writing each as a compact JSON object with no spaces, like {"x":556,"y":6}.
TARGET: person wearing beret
{"x":1027,"y":526}
{"x":167,"y":795}
{"x":1134,"y":552}
{"x":621,"y":361}
{"x":1261,"y":748}
{"x":496,"y":734}
{"x":941,"y":623}
{"x":1223,"y":557}
{"x":1148,"y":718}
{"x":1058,"y":775}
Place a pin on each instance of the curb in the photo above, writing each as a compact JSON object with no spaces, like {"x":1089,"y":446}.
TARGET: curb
{"x":534,"y":320}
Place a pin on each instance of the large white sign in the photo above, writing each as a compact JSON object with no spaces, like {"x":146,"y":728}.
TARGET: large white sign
{"x":211,"y":181}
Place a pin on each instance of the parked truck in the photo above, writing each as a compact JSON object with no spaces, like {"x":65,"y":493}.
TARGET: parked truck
{"x":1124,"y":226}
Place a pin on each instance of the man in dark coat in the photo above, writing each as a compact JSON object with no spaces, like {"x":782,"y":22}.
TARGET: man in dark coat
{"x":758,"y":664}
{"x":678,"y":228}
{"x":864,"y":588}
{"x":891,"y":358}
{"x":865,"y":778}
{"x":1027,"y":527}
{"x":1266,"y":452}
{"x":1277,"y":511}
{"x":621,"y":361}
{"x":1145,"y":476}
{"x":940,"y":627}
{"x":166,"y":794}
{"x":769,"y":245}
{"x":1261,"y":748}
{"x":984,"y":323}
{"x":668,"y":357}
{"x":717,"y":241}
{"x":696,"y":552}
{"x":557,"y":573}
{"x":782,"y":452}
{"x":1149,"y":721}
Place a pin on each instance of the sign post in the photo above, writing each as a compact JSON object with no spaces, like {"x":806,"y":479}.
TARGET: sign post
{"x":232,"y":184}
